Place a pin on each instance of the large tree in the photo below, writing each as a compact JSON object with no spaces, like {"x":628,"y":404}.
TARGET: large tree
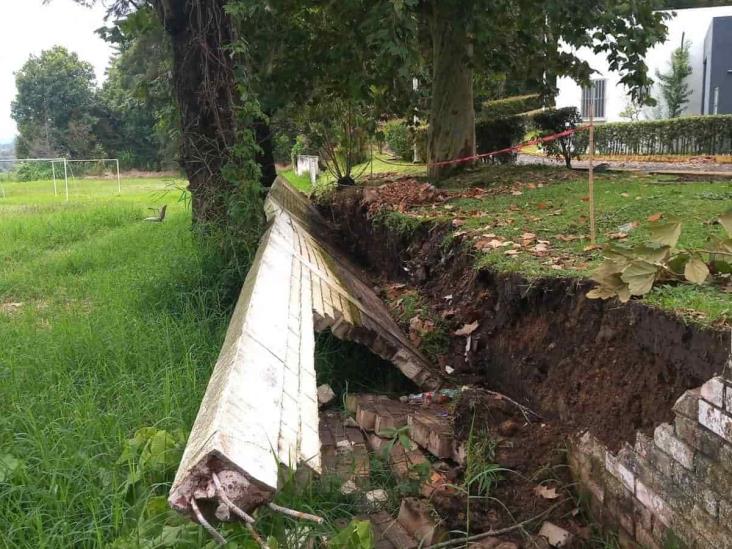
{"x":488,"y":35}
{"x":55,"y":105}
{"x":138,"y":119}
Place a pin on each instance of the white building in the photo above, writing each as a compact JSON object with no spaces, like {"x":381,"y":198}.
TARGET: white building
{"x":709,"y":33}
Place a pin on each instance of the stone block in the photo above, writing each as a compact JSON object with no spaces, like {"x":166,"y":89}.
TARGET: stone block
{"x":698,"y":437}
{"x":620,"y":471}
{"x":653,"y":502}
{"x":666,"y":440}
{"x":713,"y":392}
{"x":688,"y":404}
{"x":714,"y":419}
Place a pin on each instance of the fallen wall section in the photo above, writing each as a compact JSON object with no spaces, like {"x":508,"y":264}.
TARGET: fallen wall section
{"x":260,"y":407}
{"x":674,"y":487}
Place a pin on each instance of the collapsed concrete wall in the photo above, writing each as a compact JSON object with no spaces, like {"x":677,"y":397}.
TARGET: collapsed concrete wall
{"x":260,"y":408}
{"x":674,"y":487}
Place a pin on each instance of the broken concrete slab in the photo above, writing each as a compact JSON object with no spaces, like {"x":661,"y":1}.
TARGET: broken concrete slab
{"x":260,"y":409}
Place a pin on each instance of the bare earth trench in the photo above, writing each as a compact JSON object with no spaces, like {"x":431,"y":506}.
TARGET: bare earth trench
{"x":583,"y":365}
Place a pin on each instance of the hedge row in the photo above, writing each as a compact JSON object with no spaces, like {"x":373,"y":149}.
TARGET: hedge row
{"x":699,"y":135}
{"x":510,"y":106}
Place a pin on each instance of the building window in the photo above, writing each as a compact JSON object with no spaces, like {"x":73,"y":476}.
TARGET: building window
{"x":716,"y":101}
{"x":594,"y":95}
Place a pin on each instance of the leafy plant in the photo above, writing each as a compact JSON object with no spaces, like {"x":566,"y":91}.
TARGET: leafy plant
{"x":629,"y":271}
{"x":151,"y":453}
{"x":553,"y":121}
{"x":399,"y":138}
{"x":357,"y":535}
{"x":396,"y":436}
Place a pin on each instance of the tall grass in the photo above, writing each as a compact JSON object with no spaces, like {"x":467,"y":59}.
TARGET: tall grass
{"x":107,"y":324}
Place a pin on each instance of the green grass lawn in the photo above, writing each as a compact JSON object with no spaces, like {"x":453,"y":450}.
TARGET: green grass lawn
{"x":551,"y":203}
{"x":107,"y":325}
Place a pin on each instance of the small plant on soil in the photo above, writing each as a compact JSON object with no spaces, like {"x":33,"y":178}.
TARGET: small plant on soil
{"x":632,"y":271}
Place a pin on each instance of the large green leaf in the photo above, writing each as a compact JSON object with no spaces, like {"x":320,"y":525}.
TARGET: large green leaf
{"x":696,"y":270}
{"x":726,"y":221}
{"x":666,"y":234}
{"x":639,"y":276}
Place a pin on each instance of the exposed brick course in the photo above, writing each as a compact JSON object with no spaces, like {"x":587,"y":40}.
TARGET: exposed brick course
{"x":674,"y":487}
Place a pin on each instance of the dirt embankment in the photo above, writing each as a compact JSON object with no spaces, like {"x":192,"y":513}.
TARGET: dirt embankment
{"x":598,"y":365}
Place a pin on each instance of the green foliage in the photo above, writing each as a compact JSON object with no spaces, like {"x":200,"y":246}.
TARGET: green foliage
{"x":633,"y":270}
{"x":510,"y":106}
{"x":552,"y":121}
{"x":54,"y":105}
{"x":706,"y":135}
{"x":151,"y":454}
{"x":495,"y":134}
{"x":399,"y":138}
{"x":674,"y":88}
{"x":357,"y":535}
{"x":341,"y":131}
{"x":34,"y":171}
{"x":138,"y":120}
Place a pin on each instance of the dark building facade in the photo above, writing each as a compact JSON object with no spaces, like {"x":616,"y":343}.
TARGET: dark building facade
{"x":717,"y":68}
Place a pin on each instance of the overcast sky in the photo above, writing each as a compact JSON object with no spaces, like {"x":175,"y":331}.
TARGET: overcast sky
{"x":28,"y":27}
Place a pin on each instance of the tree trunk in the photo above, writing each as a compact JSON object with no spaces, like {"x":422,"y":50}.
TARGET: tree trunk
{"x":265,"y":157}
{"x":452,"y":122}
{"x":203,"y":77}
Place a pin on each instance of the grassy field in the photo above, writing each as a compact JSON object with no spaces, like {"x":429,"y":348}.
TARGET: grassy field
{"x":107,"y":326}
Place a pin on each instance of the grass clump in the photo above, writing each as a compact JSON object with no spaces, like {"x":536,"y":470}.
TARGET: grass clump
{"x":109,"y":325}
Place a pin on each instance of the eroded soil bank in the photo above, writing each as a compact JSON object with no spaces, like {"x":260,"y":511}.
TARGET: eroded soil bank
{"x":613,"y":369}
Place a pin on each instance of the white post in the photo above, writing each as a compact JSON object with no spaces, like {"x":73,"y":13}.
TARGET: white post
{"x":119,"y":181}
{"x":66,"y":179}
{"x":53,"y":169}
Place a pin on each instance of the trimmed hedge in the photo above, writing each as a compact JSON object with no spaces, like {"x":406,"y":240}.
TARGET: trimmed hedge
{"x":494,"y":134}
{"x":510,"y":106}
{"x":697,"y":135}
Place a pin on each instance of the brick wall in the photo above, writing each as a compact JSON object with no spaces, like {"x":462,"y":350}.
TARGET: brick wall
{"x":674,"y":487}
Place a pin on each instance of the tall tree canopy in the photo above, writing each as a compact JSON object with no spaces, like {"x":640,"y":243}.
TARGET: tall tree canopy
{"x":54,"y":105}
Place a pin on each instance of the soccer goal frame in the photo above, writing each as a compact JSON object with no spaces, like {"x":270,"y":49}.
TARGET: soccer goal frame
{"x":66,"y":163}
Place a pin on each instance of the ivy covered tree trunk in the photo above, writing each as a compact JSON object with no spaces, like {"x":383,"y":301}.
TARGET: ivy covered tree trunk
{"x":203,"y":77}
{"x":452,"y":122}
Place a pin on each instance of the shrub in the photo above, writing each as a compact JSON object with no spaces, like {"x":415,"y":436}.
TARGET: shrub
{"x":702,"y":135}
{"x":499,"y":133}
{"x":35,"y":171}
{"x":510,"y":106}
{"x":551,"y":121}
{"x":399,"y":138}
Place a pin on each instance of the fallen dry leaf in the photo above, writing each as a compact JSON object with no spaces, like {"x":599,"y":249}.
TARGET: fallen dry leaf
{"x":655,"y":217}
{"x":624,"y":195}
{"x":511,"y":252}
{"x":516,"y":193}
{"x":458,"y":222}
{"x":591,"y":248}
{"x":542,"y":206}
{"x":467,"y":329}
{"x":546,"y":492}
